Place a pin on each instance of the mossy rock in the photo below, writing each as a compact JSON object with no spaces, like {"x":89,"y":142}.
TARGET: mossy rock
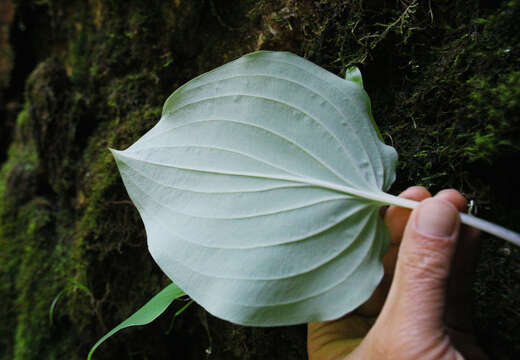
{"x":444,"y":79}
{"x":58,"y":119}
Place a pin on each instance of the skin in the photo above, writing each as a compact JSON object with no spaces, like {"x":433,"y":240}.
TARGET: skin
{"x":423,"y":302}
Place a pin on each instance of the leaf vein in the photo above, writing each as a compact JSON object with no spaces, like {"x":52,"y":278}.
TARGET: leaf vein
{"x":315,"y":267}
{"x":341,"y":197}
{"x":315,"y":157}
{"x":287,"y":171}
{"x":340,"y":112}
{"x":301,"y":299}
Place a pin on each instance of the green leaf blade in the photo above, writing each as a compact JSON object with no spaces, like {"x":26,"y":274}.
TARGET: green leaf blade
{"x":146,"y":314}
{"x":353,"y":74}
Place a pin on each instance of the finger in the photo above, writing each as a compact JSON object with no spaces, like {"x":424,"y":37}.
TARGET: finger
{"x":335,"y":339}
{"x":395,"y":219}
{"x":458,"y":302}
{"x":423,"y":267}
{"x":454,"y":197}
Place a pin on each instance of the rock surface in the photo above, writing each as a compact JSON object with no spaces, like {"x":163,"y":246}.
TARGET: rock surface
{"x":78,"y":77}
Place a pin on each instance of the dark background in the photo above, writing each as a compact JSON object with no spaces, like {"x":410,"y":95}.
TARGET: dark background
{"x":78,"y":77}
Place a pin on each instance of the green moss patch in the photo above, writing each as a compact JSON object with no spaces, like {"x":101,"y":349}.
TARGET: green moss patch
{"x":444,"y":79}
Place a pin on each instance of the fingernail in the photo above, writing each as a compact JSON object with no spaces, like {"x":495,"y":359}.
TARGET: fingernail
{"x":437,"y":218}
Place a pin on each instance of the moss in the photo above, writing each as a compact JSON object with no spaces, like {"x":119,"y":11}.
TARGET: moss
{"x":58,"y":118}
{"x":30,"y":331}
{"x":33,"y":264}
{"x":493,"y":105}
{"x":26,"y":161}
{"x":38,"y":265}
{"x":107,"y":228}
{"x":444,"y":81}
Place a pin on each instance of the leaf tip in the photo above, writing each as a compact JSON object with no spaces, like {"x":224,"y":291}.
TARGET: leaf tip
{"x":353,"y":74}
{"x":115,"y":153}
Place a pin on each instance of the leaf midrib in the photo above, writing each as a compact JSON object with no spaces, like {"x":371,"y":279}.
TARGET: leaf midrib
{"x":377,"y":198}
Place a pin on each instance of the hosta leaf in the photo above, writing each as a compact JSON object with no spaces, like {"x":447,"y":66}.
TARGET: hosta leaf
{"x":259,"y":190}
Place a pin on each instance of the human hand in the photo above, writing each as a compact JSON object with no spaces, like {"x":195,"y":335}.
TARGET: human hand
{"x":425,"y":308}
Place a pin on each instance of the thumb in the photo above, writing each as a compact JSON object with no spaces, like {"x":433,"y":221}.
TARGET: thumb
{"x":424,"y":262}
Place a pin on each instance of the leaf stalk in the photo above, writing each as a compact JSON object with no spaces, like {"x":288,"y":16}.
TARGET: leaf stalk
{"x":387,"y":199}
{"x":470,"y":220}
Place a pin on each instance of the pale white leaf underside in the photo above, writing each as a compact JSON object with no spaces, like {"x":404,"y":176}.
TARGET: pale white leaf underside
{"x":259,"y":191}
